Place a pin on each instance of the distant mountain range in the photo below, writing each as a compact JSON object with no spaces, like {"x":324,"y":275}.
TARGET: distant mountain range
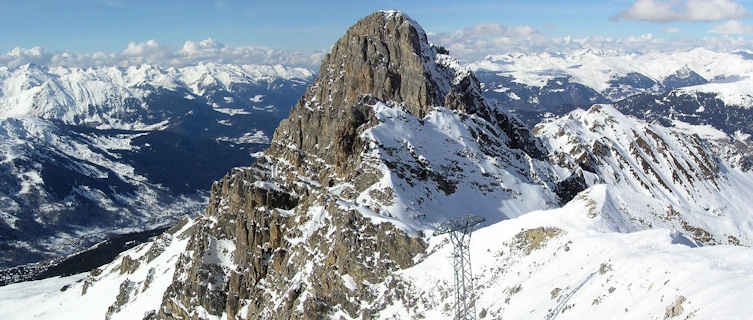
{"x":699,"y":91}
{"x":87,"y":153}
{"x":589,"y":212}
{"x":92,"y":152}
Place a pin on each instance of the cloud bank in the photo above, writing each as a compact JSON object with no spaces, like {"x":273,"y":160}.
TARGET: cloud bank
{"x":152,"y":52}
{"x":468,"y":44}
{"x":474,"y":43}
{"x":663,"y":11}
{"x":732,"y":27}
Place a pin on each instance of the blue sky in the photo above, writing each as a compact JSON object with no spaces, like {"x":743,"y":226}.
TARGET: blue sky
{"x":307,"y":26}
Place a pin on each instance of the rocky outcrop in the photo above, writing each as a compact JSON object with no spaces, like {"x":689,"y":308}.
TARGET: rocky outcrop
{"x":283,"y":263}
{"x":383,"y":57}
{"x":568,"y":188}
{"x":305,"y":232}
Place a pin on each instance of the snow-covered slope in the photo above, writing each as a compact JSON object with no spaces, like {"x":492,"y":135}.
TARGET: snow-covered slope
{"x":86,"y":153}
{"x":335,"y":219}
{"x":595,"y":68}
{"x":129,"y":288}
{"x":111,"y":97}
{"x":577,"y":262}
{"x":617,"y":75}
{"x":660,"y":177}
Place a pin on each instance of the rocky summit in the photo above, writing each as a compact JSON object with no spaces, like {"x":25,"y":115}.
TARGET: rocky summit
{"x":352,"y":184}
{"x":335,"y":220}
{"x":303,"y":231}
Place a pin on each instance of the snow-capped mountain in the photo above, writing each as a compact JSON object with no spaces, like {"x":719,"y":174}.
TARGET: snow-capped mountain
{"x":119,"y":98}
{"x":393,"y":137}
{"x":564,"y":263}
{"x":524,"y":81}
{"x":599,"y":69}
{"x":87,"y":153}
{"x":658,"y":176}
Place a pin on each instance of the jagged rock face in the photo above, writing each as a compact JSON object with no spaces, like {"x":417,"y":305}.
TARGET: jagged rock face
{"x":331,"y":221}
{"x":389,"y":136}
{"x":642,"y":150}
{"x":383,"y":57}
{"x":264,"y":255}
{"x":394,"y":138}
{"x":388,"y":57}
{"x":379,"y":55}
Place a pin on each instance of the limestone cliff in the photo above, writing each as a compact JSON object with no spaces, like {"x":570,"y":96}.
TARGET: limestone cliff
{"x":387,"y":140}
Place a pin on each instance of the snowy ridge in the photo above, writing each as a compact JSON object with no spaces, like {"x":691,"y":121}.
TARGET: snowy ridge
{"x":660,"y":177}
{"x":334,"y":220}
{"x":447,"y":164}
{"x":595,"y":68}
{"x":567,"y":264}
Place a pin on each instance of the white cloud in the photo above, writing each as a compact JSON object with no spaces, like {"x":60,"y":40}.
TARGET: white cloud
{"x":682,"y":10}
{"x":152,"y":52}
{"x":731,"y":27}
{"x":671,"y":30}
{"x":137,"y":49}
{"x":477,"y":41}
{"x":485,"y":30}
{"x":468,"y":44}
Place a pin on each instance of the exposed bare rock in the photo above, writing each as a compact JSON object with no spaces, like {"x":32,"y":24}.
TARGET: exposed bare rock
{"x":294,"y":237}
{"x":675,"y":309}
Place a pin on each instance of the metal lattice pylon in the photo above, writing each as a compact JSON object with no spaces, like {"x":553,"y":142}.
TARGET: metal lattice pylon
{"x":460,"y":235}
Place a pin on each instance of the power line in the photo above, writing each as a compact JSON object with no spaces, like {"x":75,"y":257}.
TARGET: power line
{"x":460,"y":235}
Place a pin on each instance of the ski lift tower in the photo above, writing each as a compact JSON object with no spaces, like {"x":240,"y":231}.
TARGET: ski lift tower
{"x":460,"y":235}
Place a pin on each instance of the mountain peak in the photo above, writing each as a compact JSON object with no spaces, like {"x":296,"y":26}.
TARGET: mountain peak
{"x":383,"y":57}
{"x":386,"y":55}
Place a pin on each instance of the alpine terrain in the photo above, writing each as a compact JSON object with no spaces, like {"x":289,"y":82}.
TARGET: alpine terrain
{"x":88,"y":153}
{"x":591,"y":214}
